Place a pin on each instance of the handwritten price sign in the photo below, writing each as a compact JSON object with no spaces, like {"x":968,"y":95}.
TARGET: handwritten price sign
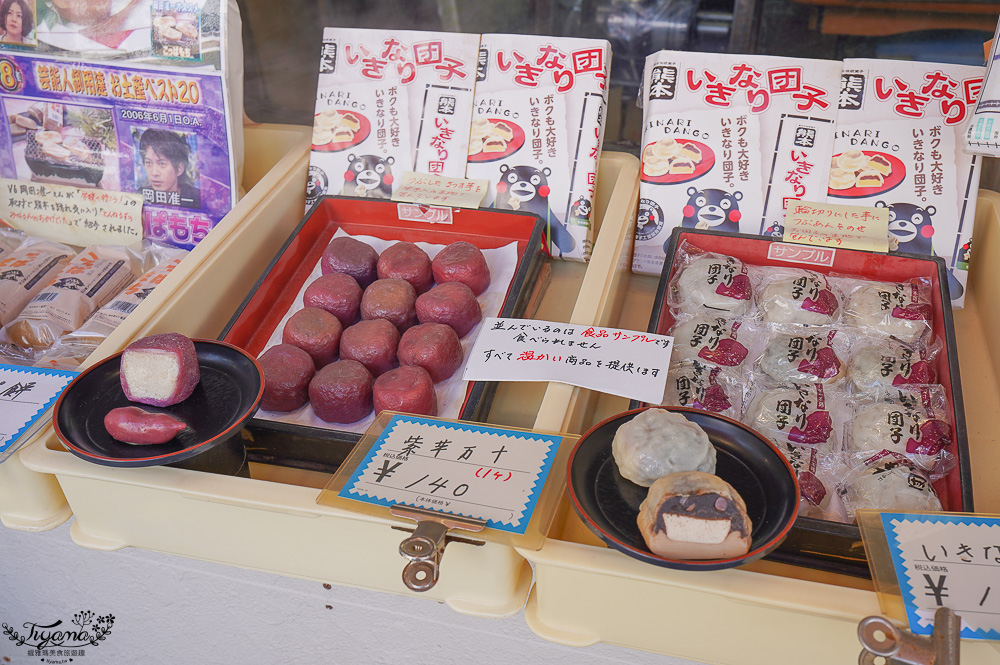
{"x":947,"y":561}
{"x":621,"y":362}
{"x":483,"y":472}
{"x":25,"y":394}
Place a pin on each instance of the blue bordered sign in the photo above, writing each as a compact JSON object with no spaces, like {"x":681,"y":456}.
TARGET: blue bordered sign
{"x":25,"y":394}
{"x":488,"y":473}
{"x":951,"y":561}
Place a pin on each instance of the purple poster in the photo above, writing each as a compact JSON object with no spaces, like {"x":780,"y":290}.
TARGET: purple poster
{"x":162,"y":135}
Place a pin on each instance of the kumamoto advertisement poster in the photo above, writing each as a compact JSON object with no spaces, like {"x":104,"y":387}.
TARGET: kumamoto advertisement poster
{"x":89,"y":125}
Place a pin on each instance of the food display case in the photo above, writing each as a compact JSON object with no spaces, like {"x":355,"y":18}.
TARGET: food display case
{"x":277,"y":159}
{"x":585,"y":593}
{"x":803,"y":600}
{"x":257,"y":522}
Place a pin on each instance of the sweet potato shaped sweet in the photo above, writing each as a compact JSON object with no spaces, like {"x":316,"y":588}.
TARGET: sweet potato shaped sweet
{"x":462,"y":262}
{"x":315,"y":331}
{"x":372,"y":343}
{"x":407,"y":389}
{"x":287,"y":371}
{"x":433,"y":346}
{"x":160,"y":370}
{"x":453,"y":304}
{"x":337,"y":293}
{"x":341,"y":392}
{"x":130,"y":424}
{"x":392,"y":299}
{"x":352,"y":257}
{"x":404,"y":260}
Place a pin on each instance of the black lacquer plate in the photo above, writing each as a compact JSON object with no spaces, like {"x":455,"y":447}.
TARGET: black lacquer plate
{"x":609,"y":504}
{"x":226,"y":396}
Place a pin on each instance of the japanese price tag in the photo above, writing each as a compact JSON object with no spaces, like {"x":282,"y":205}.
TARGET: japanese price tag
{"x":25,"y":394}
{"x":440,"y":190}
{"x":832,"y":225}
{"x":72,"y":215}
{"x":947,"y":561}
{"x":482,"y":472}
{"x":620,"y":362}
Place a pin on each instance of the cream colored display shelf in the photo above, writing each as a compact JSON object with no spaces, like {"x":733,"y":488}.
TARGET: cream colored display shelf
{"x":274,"y":173}
{"x":271,"y":521}
{"x":765,"y":613}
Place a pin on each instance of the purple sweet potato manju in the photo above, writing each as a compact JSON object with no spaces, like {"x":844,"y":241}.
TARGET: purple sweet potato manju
{"x":131,"y":424}
{"x":287,"y":371}
{"x":160,"y":369}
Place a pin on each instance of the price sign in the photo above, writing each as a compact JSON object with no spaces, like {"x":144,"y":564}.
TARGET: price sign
{"x":25,"y":394}
{"x":482,"y":472}
{"x":945,"y":560}
{"x":621,"y":362}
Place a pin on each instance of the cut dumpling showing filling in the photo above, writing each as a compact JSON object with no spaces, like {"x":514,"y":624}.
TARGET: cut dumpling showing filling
{"x":682,"y":166}
{"x":691,"y":151}
{"x":694,"y":515}
{"x":658,"y":442}
{"x":870,"y":178}
{"x":494,"y":145}
{"x":160,"y":370}
{"x":343,"y":134}
{"x":880,"y":164}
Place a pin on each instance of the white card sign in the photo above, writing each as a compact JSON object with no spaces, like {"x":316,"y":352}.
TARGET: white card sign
{"x":947,"y":561}
{"x":25,"y":394}
{"x":610,"y":360}
{"x":482,"y":472}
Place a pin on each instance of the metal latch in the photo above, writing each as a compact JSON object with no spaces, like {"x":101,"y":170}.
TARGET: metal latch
{"x":425,"y":546}
{"x":880,"y":638}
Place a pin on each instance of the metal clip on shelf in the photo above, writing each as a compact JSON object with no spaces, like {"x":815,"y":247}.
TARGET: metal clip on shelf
{"x":425,"y":546}
{"x":884,"y":642}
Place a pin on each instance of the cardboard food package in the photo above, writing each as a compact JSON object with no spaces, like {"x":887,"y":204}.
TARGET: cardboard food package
{"x":900,"y":129}
{"x":537,"y":131}
{"x":387,"y":102}
{"x":728,"y":141}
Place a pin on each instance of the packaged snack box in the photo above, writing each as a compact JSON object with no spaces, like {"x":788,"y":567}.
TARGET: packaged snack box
{"x":899,"y":136}
{"x":387,"y":102}
{"x":537,"y":131}
{"x":728,"y":140}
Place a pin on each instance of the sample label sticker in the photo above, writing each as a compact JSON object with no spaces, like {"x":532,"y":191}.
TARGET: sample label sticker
{"x":947,"y":561}
{"x":418,"y":212}
{"x":440,"y":190}
{"x":620,"y":362}
{"x":25,"y":394}
{"x":70,"y":214}
{"x":482,"y":472}
{"x":832,"y":225}
{"x":794,"y":253}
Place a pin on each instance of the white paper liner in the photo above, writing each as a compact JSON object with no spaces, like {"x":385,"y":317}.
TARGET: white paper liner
{"x":502,"y":262}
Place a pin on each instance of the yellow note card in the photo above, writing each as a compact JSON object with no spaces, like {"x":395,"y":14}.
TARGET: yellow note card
{"x":72,"y":215}
{"x":440,"y":190}
{"x":832,"y":225}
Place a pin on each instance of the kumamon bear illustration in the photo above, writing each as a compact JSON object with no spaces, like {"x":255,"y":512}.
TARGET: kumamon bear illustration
{"x":526,"y":189}
{"x":369,"y":176}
